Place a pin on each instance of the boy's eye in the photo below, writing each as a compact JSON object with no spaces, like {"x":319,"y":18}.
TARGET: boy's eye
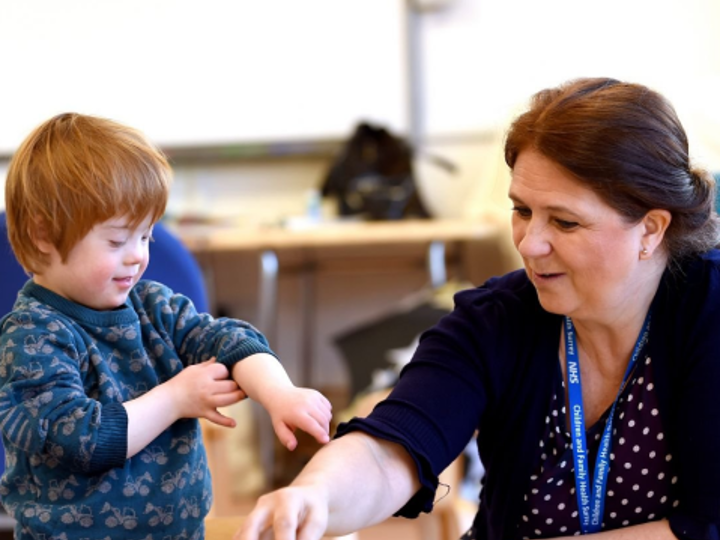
{"x":522,"y":212}
{"x":116,"y":243}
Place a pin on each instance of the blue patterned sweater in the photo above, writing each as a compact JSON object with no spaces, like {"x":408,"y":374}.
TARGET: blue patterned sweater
{"x":65,"y":371}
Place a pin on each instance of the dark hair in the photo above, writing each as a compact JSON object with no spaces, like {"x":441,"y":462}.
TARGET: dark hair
{"x":626,"y":143}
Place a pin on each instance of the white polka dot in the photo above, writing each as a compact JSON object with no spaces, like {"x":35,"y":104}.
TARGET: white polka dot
{"x":625,"y":523}
{"x":636,"y":448}
{"x":560,"y":482}
{"x":650,"y":386}
{"x":610,"y":493}
{"x":661,"y":476}
{"x":538,"y":532}
{"x":622,"y":414}
{"x":534,"y":491}
{"x":563,"y":529}
{"x":549,"y":521}
{"x":654,"y":412}
{"x":533,"y":477}
{"x":547,"y":497}
{"x":574,"y":514}
{"x":650,"y":494}
{"x":636,"y":487}
{"x":619,"y":479}
{"x":543,"y":457}
{"x":542,"y":444}
{"x":652,"y":454}
{"x":547,"y":419}
{"x":663,"y":499}
{"x":630,"y":398}
{"x":572,"y":491}
{"x":561,"y":506}
{"x":668,"y":457}
{"x":646,"y":431}
{"x":624,"y":502}
{"x":631,"y":423}
{"x":651,"y":517}
{"x":535,"y":511}
{"x":612,"y":456}
{"x":644,"y":472}
{"x":638,"y":510}
{"x":628,"y":465}
{"x":562,"y":464}
{"x":660,"y":437}
{"x":613,"y":515}
{"x":525,"y":519}
{"x":641,"y":380}
{"x":640,"y":406}
{"x":621,"y":440}
{"x":674,"y":480}
{"x":675,"y":504}
{"x":555,"y":413}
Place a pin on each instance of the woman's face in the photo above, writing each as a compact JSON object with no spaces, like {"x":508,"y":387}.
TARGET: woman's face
{"x":582,"y":256}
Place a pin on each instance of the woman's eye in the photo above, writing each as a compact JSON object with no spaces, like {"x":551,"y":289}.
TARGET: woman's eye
{"x":522,"y":211}
{"x":566,"y":225}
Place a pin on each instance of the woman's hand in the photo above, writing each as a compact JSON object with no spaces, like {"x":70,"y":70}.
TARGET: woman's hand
{"x":294,"y":408}
{"x":295,"y":512}
{"x":200,"y":389}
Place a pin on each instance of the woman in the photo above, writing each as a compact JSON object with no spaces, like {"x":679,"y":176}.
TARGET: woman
{"x":591,"y":375}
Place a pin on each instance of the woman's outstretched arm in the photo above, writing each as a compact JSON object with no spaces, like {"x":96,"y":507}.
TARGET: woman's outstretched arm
{"x":353,"y":482}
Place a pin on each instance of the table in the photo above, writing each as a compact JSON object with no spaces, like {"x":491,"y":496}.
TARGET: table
{"x":223,"y":528}
{"x":268,"y":241}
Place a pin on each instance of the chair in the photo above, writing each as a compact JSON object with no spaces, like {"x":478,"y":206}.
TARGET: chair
{"x":171,"y":263}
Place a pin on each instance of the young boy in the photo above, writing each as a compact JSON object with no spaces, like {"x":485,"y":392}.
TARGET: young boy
{"x":103,"y":376}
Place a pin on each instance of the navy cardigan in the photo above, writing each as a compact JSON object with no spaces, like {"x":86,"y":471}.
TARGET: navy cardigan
{"x":489,"y":366}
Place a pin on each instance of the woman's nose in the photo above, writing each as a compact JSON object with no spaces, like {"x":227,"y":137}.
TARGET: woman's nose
{"x":533,"y":240}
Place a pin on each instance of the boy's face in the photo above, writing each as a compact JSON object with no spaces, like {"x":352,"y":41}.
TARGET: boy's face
{"x":102,"y":268}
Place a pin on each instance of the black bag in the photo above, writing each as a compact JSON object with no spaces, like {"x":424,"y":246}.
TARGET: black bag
{"x":373,"y":177}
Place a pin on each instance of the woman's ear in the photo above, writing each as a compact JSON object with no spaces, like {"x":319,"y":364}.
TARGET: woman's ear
{"x":655,"y":224}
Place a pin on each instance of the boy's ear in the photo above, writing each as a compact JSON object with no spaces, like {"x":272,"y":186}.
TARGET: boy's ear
{"x":40,"y":237}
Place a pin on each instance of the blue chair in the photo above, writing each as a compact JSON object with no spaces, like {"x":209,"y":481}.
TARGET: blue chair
{"x":171,"y":263}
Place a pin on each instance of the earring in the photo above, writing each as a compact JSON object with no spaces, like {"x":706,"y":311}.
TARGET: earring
{"x":644,"y":251}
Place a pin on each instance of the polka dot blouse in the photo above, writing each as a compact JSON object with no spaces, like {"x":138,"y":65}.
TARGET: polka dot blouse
{"x":641,"y":478}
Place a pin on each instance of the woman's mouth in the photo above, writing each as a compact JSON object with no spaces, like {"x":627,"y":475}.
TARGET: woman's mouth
{"x":545,"y":277}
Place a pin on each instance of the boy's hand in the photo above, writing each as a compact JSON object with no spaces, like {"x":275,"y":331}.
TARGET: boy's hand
{"x":292,"y":408}
{"x":200,"y":389}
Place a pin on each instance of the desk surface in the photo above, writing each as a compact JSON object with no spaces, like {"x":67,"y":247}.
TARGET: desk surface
{"x":223,"y":528}
{"x":203,"y":238}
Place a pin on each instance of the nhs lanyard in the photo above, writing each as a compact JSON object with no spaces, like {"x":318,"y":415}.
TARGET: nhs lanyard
{"x":591,"y":499}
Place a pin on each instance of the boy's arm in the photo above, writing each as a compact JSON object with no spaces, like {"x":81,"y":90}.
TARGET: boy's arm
{"x":264,"y":380}
{"x":197,"y":392}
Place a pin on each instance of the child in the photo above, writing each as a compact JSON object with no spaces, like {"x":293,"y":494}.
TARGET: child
{"x":103,"y":376}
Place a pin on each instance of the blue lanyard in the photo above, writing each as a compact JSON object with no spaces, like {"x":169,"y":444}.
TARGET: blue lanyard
{"x":591,"y":500}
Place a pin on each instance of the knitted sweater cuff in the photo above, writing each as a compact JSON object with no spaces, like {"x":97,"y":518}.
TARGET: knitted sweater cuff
{"x":111,"y":447}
